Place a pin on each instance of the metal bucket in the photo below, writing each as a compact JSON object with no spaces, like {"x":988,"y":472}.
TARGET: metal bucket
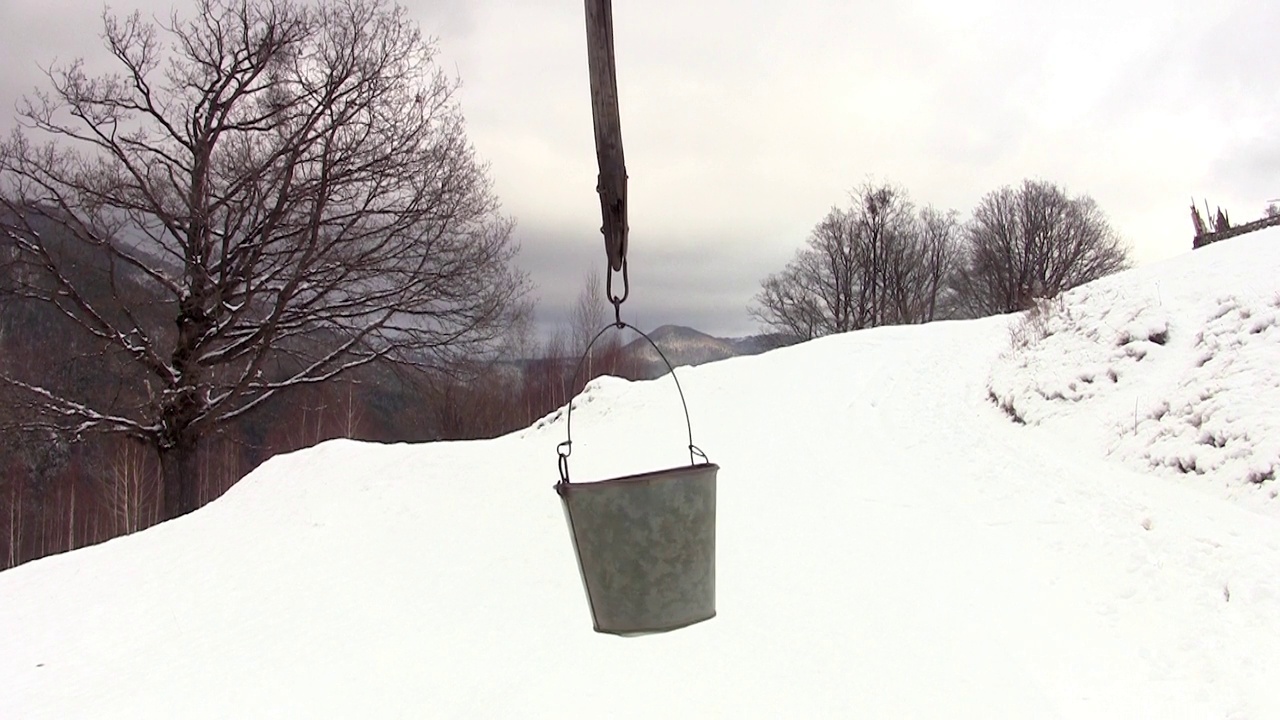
{"x":646,"y":547}
{"x":645,"y":544}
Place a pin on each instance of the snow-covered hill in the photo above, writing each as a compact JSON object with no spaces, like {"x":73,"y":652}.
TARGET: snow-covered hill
{"x":1173,"y":369}
{"x":686,"y":346}
{"x":891,"y":542}
{"x":681,"y":346}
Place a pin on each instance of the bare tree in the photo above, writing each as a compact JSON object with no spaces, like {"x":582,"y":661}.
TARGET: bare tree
{"x":589,"y":312}
{"x":130,"y":489}
{"x":939,"y":243}
{"x":1032,"y":242}
{"x":482,"y":397}
{"x":791,"y":302}
{"x":590,"y":315}
{"x":877,"y":262}
{"x":553,"y":380}
{"x":274,"y":192}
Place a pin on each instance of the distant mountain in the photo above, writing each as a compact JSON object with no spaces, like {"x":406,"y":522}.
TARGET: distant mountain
{"x":686,"y":346}
{"x":756,"y":344}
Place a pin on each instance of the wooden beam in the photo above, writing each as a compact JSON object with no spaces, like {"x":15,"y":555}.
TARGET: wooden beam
{"x":1213,"y":237}
{"x":612,"y":181}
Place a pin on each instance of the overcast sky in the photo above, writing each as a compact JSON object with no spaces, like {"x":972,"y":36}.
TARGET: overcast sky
{"x":744,"y":121}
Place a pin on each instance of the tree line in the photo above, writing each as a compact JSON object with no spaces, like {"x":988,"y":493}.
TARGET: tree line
{"x":59,"y":492}
{"x":880,"y":260}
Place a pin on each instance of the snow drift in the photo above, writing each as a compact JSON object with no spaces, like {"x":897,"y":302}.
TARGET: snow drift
{"x":892,"y":543}
{"x":1174,"y":367}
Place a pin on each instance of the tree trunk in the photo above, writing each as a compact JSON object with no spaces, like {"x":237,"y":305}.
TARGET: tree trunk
{"x":181,"y":479}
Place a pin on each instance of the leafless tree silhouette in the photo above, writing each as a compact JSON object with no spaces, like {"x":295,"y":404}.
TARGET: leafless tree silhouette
{"x":877,"y":262}
{"x":274,"y":192}
{"x":1030,"y":242}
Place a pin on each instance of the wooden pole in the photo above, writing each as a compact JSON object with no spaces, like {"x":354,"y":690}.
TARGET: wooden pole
{"x":612,"y":181}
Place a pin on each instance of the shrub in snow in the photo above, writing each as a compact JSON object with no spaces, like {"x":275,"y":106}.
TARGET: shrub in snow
{"x":1072,"y":348}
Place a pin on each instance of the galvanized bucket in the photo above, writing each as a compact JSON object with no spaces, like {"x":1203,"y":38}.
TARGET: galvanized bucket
{"x":646,"y":544}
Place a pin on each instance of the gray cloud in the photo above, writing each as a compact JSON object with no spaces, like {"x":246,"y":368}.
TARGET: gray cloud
{"x":745,"y":120}
{"x":672,"y":281}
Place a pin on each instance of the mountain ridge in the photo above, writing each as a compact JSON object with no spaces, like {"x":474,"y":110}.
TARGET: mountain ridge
{"x":683,"y":345}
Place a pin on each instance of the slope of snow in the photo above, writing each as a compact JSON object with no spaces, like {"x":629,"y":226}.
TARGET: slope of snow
{"x":889,"y":544}
{"x":1171,"y":368}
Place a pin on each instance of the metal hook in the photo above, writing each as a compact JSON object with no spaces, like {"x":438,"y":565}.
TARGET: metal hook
{"x":617,"y":301}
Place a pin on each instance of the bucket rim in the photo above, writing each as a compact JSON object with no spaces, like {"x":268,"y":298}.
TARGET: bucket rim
{"x":641,"y":632}
{"x":639,"y":477}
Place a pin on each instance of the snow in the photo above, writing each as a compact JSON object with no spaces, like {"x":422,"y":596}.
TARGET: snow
{"x":1171,"y":368}
{"x":890,"y":542}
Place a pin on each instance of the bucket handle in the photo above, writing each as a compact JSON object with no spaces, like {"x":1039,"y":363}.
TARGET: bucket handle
{"x":565,"y":448}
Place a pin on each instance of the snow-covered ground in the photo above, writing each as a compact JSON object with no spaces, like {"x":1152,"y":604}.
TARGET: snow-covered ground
{"x":891,"y":543}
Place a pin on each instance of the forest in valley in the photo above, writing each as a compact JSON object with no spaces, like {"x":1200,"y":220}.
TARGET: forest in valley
{"x":60,"y":490}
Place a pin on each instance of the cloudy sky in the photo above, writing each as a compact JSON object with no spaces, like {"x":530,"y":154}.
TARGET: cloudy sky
{"x":744,"y":121}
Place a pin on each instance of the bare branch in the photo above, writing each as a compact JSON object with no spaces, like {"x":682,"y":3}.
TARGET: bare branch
{"x":875,"y":263}
{"x":272,"y":194}
{"x":1033,"y":242}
